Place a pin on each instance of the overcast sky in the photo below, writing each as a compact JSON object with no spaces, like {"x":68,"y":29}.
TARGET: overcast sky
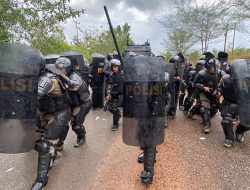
{"x":141,"y":15}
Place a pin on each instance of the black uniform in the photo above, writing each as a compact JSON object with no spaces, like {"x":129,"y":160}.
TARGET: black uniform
{"x":188,"y":102}
{"x":144,"y":108}
{"x":114,"y":89}
{"x":184,"y":81}
{"x":171,"y":89}
{"x":97,"y":81}
{"x":80,"y":104}
{"x":205,"y":99}
{"x":230,"y":111}
{"x":53,"y":119}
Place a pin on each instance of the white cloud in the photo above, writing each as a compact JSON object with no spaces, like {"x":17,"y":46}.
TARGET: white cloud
{"x":138,"y":15}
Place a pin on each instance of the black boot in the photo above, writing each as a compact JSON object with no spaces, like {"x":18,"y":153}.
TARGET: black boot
{"x":81,"y":135}
{"x":240,"y":132}
{"x":228,"y":131}
{"x":149,"y":160}
{"x":116,"y":117}
{"x":59,"y":146}
{"x":181,"y":99}
{"x":44,"y":160}
{"x":228,"y":143}
{"x":141,"y":158}
{"x":206,"y":120}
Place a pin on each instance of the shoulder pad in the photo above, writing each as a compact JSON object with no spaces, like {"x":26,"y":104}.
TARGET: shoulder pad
{"x":226,"y":76}
{"x":45,"y":84}
{"x":202,"y":73}
{"x":48,"y":75}
{"x":192,"y":72}
{"x":75,"y":77}
{"x":223,"y":73}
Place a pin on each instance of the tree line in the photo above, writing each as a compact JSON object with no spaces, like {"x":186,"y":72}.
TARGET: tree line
{"x":38,"y":23}
{"x":203,"y":22}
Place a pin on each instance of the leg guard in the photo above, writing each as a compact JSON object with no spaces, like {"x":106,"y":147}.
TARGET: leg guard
{"x":44,"y":160}
{"x":242,"y":129}
{"x":113,"y":108}
{"x":79,"y":130}
{"x":228,"y":129}
{"x":58,"y":126}
{"x":205,"y":119}
{"x":149,"y":161}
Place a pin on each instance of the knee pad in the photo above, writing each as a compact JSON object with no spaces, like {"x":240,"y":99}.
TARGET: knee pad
{"x":113,"y":108}
{"x":78,"y":129}
{"x":42,"y":146}
{"x":226,"y":123}
{"x":202,"y":110}
{"x":55,"y":129}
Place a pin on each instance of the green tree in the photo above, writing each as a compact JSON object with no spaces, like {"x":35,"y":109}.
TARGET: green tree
{"x":34,"y":21}
{"x":102,"y":42}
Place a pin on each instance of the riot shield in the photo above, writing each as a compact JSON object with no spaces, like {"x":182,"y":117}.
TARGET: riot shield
{"x":98,"y":62}
{"x":144,"y":101}
{"x":240,"y":70}
{"x":51,"y":58}
{"x":19,"y":75}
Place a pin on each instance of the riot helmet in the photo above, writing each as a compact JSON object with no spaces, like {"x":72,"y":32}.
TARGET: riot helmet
{"x":177,"y":58}
{"x":222,"y":56}
{"x":114,"y":62}
{"x":181,"y":57}
{"x":200,"y":65}
{"x":64,"y":63}
{"x":208,"y":55}
{"x":171,"y":60}
{"x":212,"y":66}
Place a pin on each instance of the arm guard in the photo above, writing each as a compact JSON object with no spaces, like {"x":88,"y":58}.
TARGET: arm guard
{"x":74,"y":81}
{"x":45,"y":85}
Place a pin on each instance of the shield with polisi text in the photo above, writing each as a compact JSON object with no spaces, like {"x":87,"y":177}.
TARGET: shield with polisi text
{"x":20,"y":66}
{"x":144,"y":101}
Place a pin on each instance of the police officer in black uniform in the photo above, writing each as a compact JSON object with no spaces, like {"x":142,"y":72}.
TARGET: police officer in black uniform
{"x":189,"y":103}
{"x":171,"y":87}
{"x":187,"y":67}
{"x":80,"y":100}
{"x":223,"y":59}
{"x":205,"y":86}
{"x":144,"y":108}
{"x":230,"y":111}
{"x":114,"y":91}
{"x":53,"y":119}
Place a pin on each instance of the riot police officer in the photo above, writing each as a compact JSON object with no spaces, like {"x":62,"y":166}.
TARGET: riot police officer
{"x":187,"y":67}
{"x":223,"y":59}
{"x":189,"y":103}
{"x":205,"y":86}
{"x":80,"y":100}
{"x":170,"y":67}
{"x":53,"y":119}
{"x":144,"y":108}
{"x":114,"y":91}
{"x":97,"y":81}
{"x":231,"y":107}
